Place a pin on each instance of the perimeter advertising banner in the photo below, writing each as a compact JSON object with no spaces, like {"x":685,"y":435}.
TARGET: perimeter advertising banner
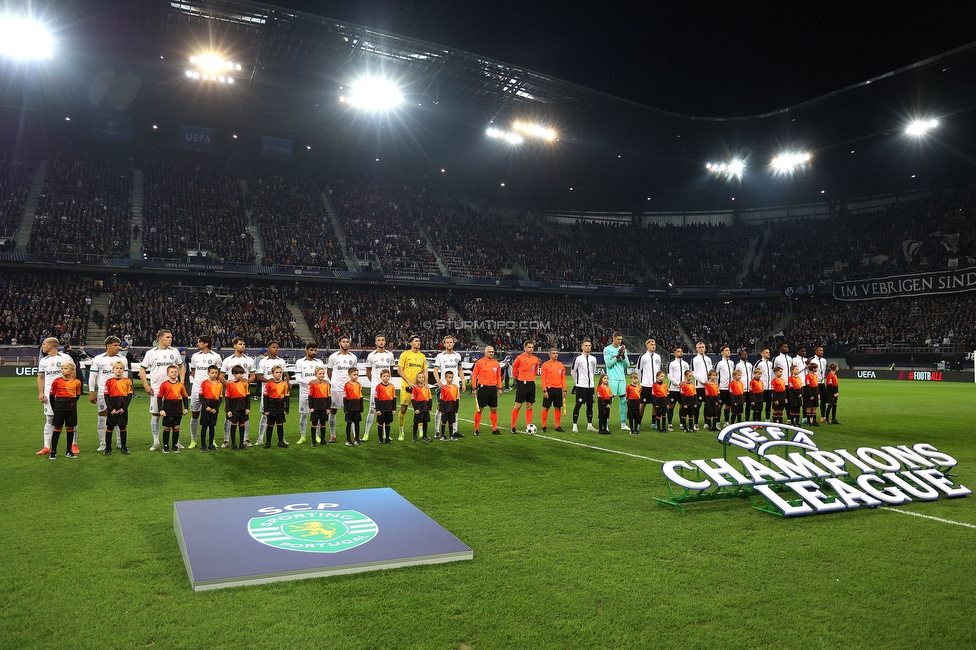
{"x":198,"y":137}
{"x":113,"y":128}
{"x":915,"y":284}
{"x":277,"y":148}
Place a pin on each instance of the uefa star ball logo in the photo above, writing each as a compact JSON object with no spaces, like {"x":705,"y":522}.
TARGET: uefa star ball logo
{"x":314,"y":531}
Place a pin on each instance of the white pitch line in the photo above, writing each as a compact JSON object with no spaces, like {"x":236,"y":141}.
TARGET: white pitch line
{"x":580,"y":444}
{"x":916,"y":514}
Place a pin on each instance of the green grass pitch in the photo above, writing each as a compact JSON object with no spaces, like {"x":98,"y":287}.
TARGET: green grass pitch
{"x":570,"y":549}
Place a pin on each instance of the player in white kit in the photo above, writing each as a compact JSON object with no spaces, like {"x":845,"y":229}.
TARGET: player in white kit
{"x":445,"y":361}
{"x":49,"y":369}
{"x":200,"y":362}
{"x":377,"y":361}
{"x":305,"y":373}
{"x":337,"y":368}
{"x":101,"y":371}
{"x":152,"y":372}
{"x":226,"y":368}
{"x":265,"y":372}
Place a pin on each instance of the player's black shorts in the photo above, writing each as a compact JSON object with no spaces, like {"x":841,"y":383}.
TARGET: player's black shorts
{"x":384,"y":417}
{"x":525,"y":392}
{"x":320,"y":417}
{"x":724,"y":397}
{"x":647,"y":395}
{"x":487,"y":396}
{"x":170,"y":421}
{"x":674,"y":397}
{"x":555,"y":398}
{"x":584,"y":395}
{"x":275,"y":418}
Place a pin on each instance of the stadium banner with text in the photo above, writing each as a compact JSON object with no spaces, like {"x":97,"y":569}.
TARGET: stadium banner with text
{"x":198,"y":137}
{"x":915,"y":284}
{"x":276,"y":148}
{"x":784,"y":472}
{"x":113,"y":128}
{"x":907,"y":375}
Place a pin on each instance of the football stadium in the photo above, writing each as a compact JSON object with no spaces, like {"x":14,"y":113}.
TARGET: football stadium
{"x":413,"y":325}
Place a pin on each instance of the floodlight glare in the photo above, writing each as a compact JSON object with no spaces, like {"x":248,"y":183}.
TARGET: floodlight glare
{"x":24,"y":39}
{"x":729,"y":170}
{"x":789,"y":162}
{"x":212,"y":67}
{"x":535,"y":130}
{"x":373,"y":94}
{"x":920,"y":127}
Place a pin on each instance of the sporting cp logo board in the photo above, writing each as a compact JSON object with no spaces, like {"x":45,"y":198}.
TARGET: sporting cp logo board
{"x":314,"y":532}
{"x":253,"y":540}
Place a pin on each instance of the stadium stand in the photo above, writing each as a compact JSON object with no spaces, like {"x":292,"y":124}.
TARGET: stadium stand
{"x":470,"y":245}
{"x":377,"y":222}
{"x":15,"y":183}
{"x":194,"y":207}
{"x":363,"y":312}
{"x":34,"y":306}
{"x":85,"y":207}
{"x":736,"y":324}
{"x":259,"y":314}
{"x":295,"y":228}
{"x":934,"y":321}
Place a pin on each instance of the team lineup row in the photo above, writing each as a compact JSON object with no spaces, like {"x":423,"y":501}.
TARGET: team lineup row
{"x":223,"y":385}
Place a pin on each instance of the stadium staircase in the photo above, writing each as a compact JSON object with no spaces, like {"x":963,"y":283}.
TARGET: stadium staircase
{"x":138,"y":203}
{"x":453,"y":315}
{"x":684,"y":335}
{"x":301,"y":326}
{"x":758,"y":255}
{"x":352,"y":264}
{"x":747,"y":260}
{"x":430,"y":247}
{"x":96,"y":335}
{"x":252,"y":227}
{"x":778,"y":326}
{"x":27,"y":220}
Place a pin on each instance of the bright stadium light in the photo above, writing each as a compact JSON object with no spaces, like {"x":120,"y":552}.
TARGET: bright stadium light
{"x":789,"y":162}
{"x":535,"y":130}
{"x":498,"y":134}
{"x":734,"y":168}
{"x":920,"y":127}
{"x":212,"y":67}
{"x":373,"y":94}
{"x":24,"y":39}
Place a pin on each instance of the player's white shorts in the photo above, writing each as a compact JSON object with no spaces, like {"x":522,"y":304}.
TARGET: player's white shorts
{"x":154,"y":405}
{"x":338,"y":395}
{"x":302,"y":400}
{"x":101,"y":403}
{"x":196,"y":404}
{"x":48,"y":409}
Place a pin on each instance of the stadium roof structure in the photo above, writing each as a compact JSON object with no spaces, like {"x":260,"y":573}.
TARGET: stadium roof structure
{"x":612,"y":152}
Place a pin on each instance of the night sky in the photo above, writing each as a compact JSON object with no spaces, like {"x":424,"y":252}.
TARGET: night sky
{"x":704,"y":59}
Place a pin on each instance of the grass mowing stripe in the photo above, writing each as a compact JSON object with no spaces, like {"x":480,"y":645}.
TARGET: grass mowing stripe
{"x":918,"y":514}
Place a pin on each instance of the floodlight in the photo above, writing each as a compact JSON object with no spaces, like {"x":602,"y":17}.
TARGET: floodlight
{"x":535,"y":130}
{"x":920,"y":127}
{"x":373,"y":94}
{"x":731,"y":169}
{"x":212,"y":67}
{"x":21,"y":38}
{"x":788,"y":162}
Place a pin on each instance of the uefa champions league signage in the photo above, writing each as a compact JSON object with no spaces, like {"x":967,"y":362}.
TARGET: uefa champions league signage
{"x":785,"y":473}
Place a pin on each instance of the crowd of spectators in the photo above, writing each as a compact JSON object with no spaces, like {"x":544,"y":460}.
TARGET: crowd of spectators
{"x":469,"y":244}
{"x":296,"y":230}
{"x":15,"y":183}
{"x":377,"y":223}
{"x":599,"y":252}
{"x":907,"y":238}
{"x":933,"y":321}
{"x":363,"y":312}
{"x":258,"y":313}
{"x":194,"y":207}
{"x":34,"y":306}
{"x":699,"y":255}
{"x":736,"y":324}
{"x":85,"y":206}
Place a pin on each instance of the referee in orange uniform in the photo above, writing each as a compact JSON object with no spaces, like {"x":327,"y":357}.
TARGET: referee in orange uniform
{"x":553,"y":388}
{"x":524,"y":369}
{"x":486,"y":384}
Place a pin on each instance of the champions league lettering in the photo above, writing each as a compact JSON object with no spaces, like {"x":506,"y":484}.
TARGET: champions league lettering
{"x":808,"y":480}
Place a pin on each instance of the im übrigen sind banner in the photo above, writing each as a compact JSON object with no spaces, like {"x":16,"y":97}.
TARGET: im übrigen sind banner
{"x":914,"y":284}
